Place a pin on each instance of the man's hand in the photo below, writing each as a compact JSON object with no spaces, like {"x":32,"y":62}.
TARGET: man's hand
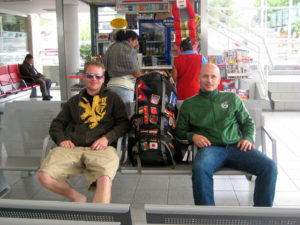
{"x":245,"y":145}
{"x":67,"y":144}
{"x":42,"y":76}
{"x":100,"y":144}
{"x":201,"y":141}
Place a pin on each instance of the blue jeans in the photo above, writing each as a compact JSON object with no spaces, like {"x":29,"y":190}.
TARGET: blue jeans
{"x":210,"y":159}
{"x":125,"y":94}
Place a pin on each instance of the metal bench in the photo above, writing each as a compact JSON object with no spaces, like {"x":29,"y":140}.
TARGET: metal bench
{"x":255,"y":110}
{"x":215,"y":215}
{"x":52,"y":210}
{"x":25,"y":125}
{"x":22,"y":221}
{"x":10,"y":87}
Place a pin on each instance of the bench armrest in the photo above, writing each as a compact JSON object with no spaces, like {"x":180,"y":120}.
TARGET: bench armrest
{"x":21,"y":80}
{"x":274,"y":143}
{"x":48,"y":144}
{"x":122,"y":148}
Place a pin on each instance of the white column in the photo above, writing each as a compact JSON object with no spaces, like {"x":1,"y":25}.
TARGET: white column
{"x":71,"y":34}
{"x":204,"y":30}
{"x":34,"y":45}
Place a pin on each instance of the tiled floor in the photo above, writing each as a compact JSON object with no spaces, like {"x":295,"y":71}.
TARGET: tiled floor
{"x":177,"y":189}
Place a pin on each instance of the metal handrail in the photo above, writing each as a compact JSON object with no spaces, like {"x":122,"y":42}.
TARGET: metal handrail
{"x":249,"y":30}
{"x":274,"y":143}
{"x":254,"y":47}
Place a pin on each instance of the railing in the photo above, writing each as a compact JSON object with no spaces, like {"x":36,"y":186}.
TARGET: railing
{"x":249,"y":39}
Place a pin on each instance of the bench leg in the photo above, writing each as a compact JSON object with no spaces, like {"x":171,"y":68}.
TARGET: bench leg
{"x":4,"y":187}
{"x":33,"y":93}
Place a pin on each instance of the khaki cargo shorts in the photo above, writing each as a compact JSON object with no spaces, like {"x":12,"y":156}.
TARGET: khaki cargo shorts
{"x":65,"y":163}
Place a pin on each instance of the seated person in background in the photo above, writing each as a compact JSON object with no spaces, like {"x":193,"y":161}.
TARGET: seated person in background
{"x":186,"y":70}
{"x":220,"y":126}
{"x":97,"y":117}
{"x":31,"y":75}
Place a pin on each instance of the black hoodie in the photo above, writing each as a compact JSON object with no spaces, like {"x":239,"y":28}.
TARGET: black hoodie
{"x":105,"y":117}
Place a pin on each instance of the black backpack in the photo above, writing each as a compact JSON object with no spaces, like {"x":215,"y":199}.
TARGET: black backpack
{"x":154,"y":120}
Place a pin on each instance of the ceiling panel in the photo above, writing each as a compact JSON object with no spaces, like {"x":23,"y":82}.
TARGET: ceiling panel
{"x":25,"y":7}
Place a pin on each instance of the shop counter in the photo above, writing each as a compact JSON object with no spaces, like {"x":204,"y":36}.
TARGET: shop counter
{"x":160,"y":67}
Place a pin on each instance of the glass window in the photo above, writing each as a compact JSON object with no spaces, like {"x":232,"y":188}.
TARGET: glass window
{"x":13,"y":23}
{"x":278,"y":18}
{"x":13,"y":39}
{"x":296,"y":2}
{"x":295,"y":23}
{"x":105,"y":15}
{"x":278,"y":3}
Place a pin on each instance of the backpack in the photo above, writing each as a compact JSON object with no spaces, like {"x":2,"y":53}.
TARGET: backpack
{"x":154,"y":120}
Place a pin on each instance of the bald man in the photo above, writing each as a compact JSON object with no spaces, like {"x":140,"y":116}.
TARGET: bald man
{"x":220,"y":126}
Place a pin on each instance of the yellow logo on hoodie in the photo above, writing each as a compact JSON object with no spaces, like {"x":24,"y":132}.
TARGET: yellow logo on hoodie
{"x":95,"y":113}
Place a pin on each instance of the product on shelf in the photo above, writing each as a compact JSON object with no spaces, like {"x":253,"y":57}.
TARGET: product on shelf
{"x":237,"y":61}
{"x":220,"y":62}
{"x":243,"y":94}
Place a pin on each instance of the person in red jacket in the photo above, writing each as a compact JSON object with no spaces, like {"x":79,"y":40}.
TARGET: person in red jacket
{"x":186,"y":70}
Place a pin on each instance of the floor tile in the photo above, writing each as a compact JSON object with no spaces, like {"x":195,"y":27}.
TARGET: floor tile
{"x":122,"y":195}
{"x":245,"y":198}
{"x":19,"y":193}
{"x":282,"y":174}
{"x":138,"y":214}
{"x":242,"y":185}
{"x":293,"y":173}
{"x":225,"y":198}
{"x":297,"y":182}
{"x":287,"y":199}
{"x":44,"y":194}
{"x":154,"y":182}
{"x":151,"y":196}
{"x":182,"y":181}
{"x":286,"y":186}
{"x":12,"y":177}
{"x":180,"y":196}
{"x":223,"y":185}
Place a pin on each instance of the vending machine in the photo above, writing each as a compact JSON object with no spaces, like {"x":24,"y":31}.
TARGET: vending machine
{"x":155,"y":42}
{"x":103,"y":40}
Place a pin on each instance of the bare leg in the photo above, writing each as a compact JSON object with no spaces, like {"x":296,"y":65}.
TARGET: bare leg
{"x":62,"y":188}
{"x":103,"y":190}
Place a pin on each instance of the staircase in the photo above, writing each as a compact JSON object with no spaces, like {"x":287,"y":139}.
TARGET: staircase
{"x":284,"y":89}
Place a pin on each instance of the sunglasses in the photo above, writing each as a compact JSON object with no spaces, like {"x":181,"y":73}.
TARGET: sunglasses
{"x":91,"y":75}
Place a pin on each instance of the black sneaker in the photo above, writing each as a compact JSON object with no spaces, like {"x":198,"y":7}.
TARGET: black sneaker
{"x":47,"y":98}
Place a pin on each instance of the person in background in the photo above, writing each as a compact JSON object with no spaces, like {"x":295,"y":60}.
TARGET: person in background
{"x":121,"y":62}
{"x":220,"y":126}
{"x":186,"y":70}
{"x":31,"y":75}
{"x":97,"y":117}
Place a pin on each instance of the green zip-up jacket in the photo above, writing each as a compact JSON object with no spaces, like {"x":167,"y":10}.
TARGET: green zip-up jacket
{"x":105,"y":117}
{"x":221,"y":117}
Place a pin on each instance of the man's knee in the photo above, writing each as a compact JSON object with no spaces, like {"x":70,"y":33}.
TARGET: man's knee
{"x":104,"y":181}
{"x":200,"y":168}
{"x":271,"y":167}
{"x":45,"y":178}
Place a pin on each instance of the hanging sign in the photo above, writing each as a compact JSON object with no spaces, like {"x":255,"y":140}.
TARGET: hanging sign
{"x":118,"y":23}
{"x":181,"y":4}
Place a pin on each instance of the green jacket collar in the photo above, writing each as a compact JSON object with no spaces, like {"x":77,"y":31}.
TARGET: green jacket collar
{"x":209,"y":95}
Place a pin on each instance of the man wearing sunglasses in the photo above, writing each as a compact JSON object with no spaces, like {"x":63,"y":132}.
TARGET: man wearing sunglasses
{"x":97,"y":117}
